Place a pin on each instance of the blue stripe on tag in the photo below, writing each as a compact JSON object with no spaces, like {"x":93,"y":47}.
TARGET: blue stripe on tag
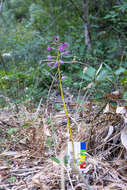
{"x":83,"y":145}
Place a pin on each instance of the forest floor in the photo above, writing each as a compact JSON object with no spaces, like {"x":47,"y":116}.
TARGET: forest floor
{"x":32,"y":142}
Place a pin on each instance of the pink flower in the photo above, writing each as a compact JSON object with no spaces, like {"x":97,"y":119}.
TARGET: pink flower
{"x":56,"y":65}
{"x":56,"y":38}
{"x":50,"y":63}
{"x":65,"y":44}
{"x":49,"y":57}
{"x":61,"y":48}
{"x":52,"y":44}
{"x":66,"y":53}
{"x":61,"y":62}
{"x":63,"y":77}
{"x":49,"y":48}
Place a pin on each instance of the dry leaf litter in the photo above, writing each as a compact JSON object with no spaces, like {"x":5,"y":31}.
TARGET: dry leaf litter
{"x":28,"y":140}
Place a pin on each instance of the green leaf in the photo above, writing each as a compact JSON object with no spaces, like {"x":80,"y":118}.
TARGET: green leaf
{"x":89,"y":74}
{"x":125,"y":96}
{"x":12,"y":179}
{"x":55,"y":159}
{"x":25,"y":125}
{"x":58,"y":107}
{"x":125,"y":72}
{"x":82,"y":50}
{"x":108,"y":67}
{"x":11,"y":131}
{"x":99,"y":69}
{"x":124,"y":81}
{"x":102,"y":75}
{"x":120,"y":70}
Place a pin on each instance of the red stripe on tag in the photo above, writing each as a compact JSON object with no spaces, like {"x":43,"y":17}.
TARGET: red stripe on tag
{"x":83,"y":165}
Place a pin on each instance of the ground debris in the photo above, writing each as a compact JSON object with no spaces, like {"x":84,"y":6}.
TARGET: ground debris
{"x":27,"y":143}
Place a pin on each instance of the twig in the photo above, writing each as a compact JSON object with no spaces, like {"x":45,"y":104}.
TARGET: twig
{"x":62,"y":174}
{"x":38,"y":109}
{"x":25,"y":170}
{"x":8,"y":124}
{"x":70,"y":179}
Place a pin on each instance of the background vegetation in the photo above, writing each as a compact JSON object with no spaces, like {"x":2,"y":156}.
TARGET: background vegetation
{"x":96,"y":32}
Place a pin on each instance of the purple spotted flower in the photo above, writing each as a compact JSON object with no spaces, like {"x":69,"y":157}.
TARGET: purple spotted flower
{"x":65,"y":44}
{"x":49,"y":48}
{"x":52,"y":44}
{"x":56,"y":38}
{"x":49,"y":57}
{"x":66,"y":53}
{"x":50,"y":63}
{"x":56,"y":65}
{"x":61,"y":62}
{"x":63,"y":77}
{"x":61,"y":48}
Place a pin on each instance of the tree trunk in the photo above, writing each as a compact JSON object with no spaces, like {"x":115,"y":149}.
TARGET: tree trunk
{"x":86,"y":25}
{"x":3,"y":64}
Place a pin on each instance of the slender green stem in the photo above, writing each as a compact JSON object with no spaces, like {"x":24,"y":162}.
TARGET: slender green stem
{"x":62,"y":96}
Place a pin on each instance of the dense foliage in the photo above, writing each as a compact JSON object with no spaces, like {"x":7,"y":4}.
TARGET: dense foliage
{"x":27,"y":27}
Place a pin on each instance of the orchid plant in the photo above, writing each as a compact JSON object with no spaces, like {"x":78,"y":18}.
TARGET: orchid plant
{"x":60,"y":50}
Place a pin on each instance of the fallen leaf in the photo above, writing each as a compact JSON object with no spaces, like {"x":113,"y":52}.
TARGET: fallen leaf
{"x":110,"y":131}
{"x":121,"y":110}
{"x":109,"y":109}
{"x":46,"y":130}
{"x":124,"y":137}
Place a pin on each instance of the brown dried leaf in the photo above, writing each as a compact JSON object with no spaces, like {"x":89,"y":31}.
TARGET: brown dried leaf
{"x":45,"y":129}
{"x":110,"y":132}
{"x":121,"y":110}
{"x":113,"y":95}
{"x":36,"y":179}
{"x":10,"y":153}
{"x":109,"y":109}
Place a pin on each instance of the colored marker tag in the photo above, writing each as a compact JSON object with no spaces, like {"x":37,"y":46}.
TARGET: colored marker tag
{"x":80,"y":154}
{"x":83,"y":165}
